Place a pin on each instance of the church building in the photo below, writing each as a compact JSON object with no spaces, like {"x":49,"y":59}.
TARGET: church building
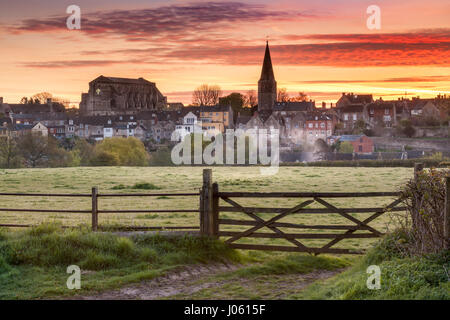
{"x":113,"y":96}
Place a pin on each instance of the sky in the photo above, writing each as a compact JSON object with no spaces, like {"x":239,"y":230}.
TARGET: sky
{"x":321,"y":47}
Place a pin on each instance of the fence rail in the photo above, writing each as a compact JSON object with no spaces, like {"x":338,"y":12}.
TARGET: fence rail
{"x":95,"y":211}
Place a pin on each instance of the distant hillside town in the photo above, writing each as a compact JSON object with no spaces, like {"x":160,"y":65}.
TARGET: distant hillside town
{"x":121,"y":107}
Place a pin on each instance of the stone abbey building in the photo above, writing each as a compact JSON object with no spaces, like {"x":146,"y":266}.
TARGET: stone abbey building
{"x":113,"y":96}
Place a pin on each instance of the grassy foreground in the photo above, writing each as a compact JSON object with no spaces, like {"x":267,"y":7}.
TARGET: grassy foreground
{"x":33,"y":263}
{"x":402,"y":277}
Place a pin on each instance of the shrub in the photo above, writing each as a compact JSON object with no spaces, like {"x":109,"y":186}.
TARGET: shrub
{"x":105,"y":158}
{"x":128,"y":151}
{"x":425,"y":200}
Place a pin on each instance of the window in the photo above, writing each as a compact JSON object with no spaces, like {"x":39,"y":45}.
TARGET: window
{"x":386,"y":111}
{"x":310,"y":125}
{"x":322,"y":125}
{"x":361,"y":140}
{"x":372,"y":111}
{"x":354,"y":116}
{"x":360,"y":148}
{"x":346,"y":116}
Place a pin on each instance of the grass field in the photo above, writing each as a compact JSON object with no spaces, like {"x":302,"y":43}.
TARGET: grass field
{"x":34,"y":260}
{"x":184,"y":179}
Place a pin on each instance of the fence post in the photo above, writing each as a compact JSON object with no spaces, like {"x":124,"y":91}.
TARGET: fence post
{"x":215,"y":210}
{"x":447,"y":214}
{"x":418,"y":167}
{"x":206,"y":212}
{"x":94,"y":209}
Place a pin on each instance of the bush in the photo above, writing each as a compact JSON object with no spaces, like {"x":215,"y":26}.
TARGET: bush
{"x":425,"y":200}
{"x":345,"y":147}
{"x":121,"y":151}
{"x":105,"y":158}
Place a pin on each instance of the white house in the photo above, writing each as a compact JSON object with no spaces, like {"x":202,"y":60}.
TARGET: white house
{"x":190,"y":124}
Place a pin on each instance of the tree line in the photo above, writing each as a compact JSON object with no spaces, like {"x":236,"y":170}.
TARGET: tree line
{"x":33,"y":151}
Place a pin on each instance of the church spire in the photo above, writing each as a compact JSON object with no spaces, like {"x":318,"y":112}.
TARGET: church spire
{"x":267,"y":70}
{"x":267,"y":86}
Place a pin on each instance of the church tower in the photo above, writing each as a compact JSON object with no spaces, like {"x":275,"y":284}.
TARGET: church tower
{"x":267,"y":86}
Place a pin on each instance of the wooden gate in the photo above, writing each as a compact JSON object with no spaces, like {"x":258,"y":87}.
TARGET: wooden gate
{"x":211,"y":220}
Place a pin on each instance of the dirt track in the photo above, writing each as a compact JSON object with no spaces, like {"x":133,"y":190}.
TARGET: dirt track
{"x":188,"y":282}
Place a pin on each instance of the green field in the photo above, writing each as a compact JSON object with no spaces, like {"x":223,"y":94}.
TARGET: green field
{"x":188,"y":179}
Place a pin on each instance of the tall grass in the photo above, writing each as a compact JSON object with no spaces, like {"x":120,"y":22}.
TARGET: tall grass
{"x":40,"y":256}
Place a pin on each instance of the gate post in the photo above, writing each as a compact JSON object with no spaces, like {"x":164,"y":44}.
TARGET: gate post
{"x":94,"y":209}
{"x":206,"y":205}
{"x":447,"y":214}
{"x":215,"y":211}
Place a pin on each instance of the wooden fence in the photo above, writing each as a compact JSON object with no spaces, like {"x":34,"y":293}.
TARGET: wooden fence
{"x":210,"y":220}
{"x":95,"y":210}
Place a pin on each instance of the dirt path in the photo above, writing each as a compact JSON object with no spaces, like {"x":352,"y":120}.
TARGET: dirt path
{"x":203,"y":282}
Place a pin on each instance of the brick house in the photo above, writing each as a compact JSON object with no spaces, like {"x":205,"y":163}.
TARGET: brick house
{"x":361,"y":143}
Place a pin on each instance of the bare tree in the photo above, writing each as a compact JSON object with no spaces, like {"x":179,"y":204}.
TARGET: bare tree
{"x":251,"y":99}
{"x":206,"y":95}
{"x":300,"y":97}
{"x":43,"y":96}
{"x":282,"y":96}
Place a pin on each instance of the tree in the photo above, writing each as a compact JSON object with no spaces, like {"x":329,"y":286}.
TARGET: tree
{"x":250,"y":99}
{"x":345,"y":147}
{"x":359,"y":126}
{"x":282,"y":95}
{"x":84,"y":150}
{"x":33,"y":149}
{"x":9,"y":153}
{"x":206,"y":95}
{"x":42,"y":98}
{"x":235,"y":100}
{"x":300,"y":97}
{"x":128,"y":151}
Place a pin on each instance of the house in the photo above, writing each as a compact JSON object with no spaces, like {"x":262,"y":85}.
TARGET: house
{"x":318,"y":126}
{"x":425,"y":109}
{"x":190,"y":125}
{"x":350,"y":114}
{"x":381,"y":113}
{"x":57,"y":131}
{"x":217,"y":118}
{"x":353,"y":99}
{"x":39,"y":129}
{"x":361,"y":143}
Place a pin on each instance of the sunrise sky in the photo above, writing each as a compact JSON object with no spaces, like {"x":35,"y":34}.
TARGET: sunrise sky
{"x":321,"y":47}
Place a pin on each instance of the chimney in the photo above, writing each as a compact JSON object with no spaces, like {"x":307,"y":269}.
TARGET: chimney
{"x":324,"y":105}
{"x":50,"y":104}
{"x":1,"y":100}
